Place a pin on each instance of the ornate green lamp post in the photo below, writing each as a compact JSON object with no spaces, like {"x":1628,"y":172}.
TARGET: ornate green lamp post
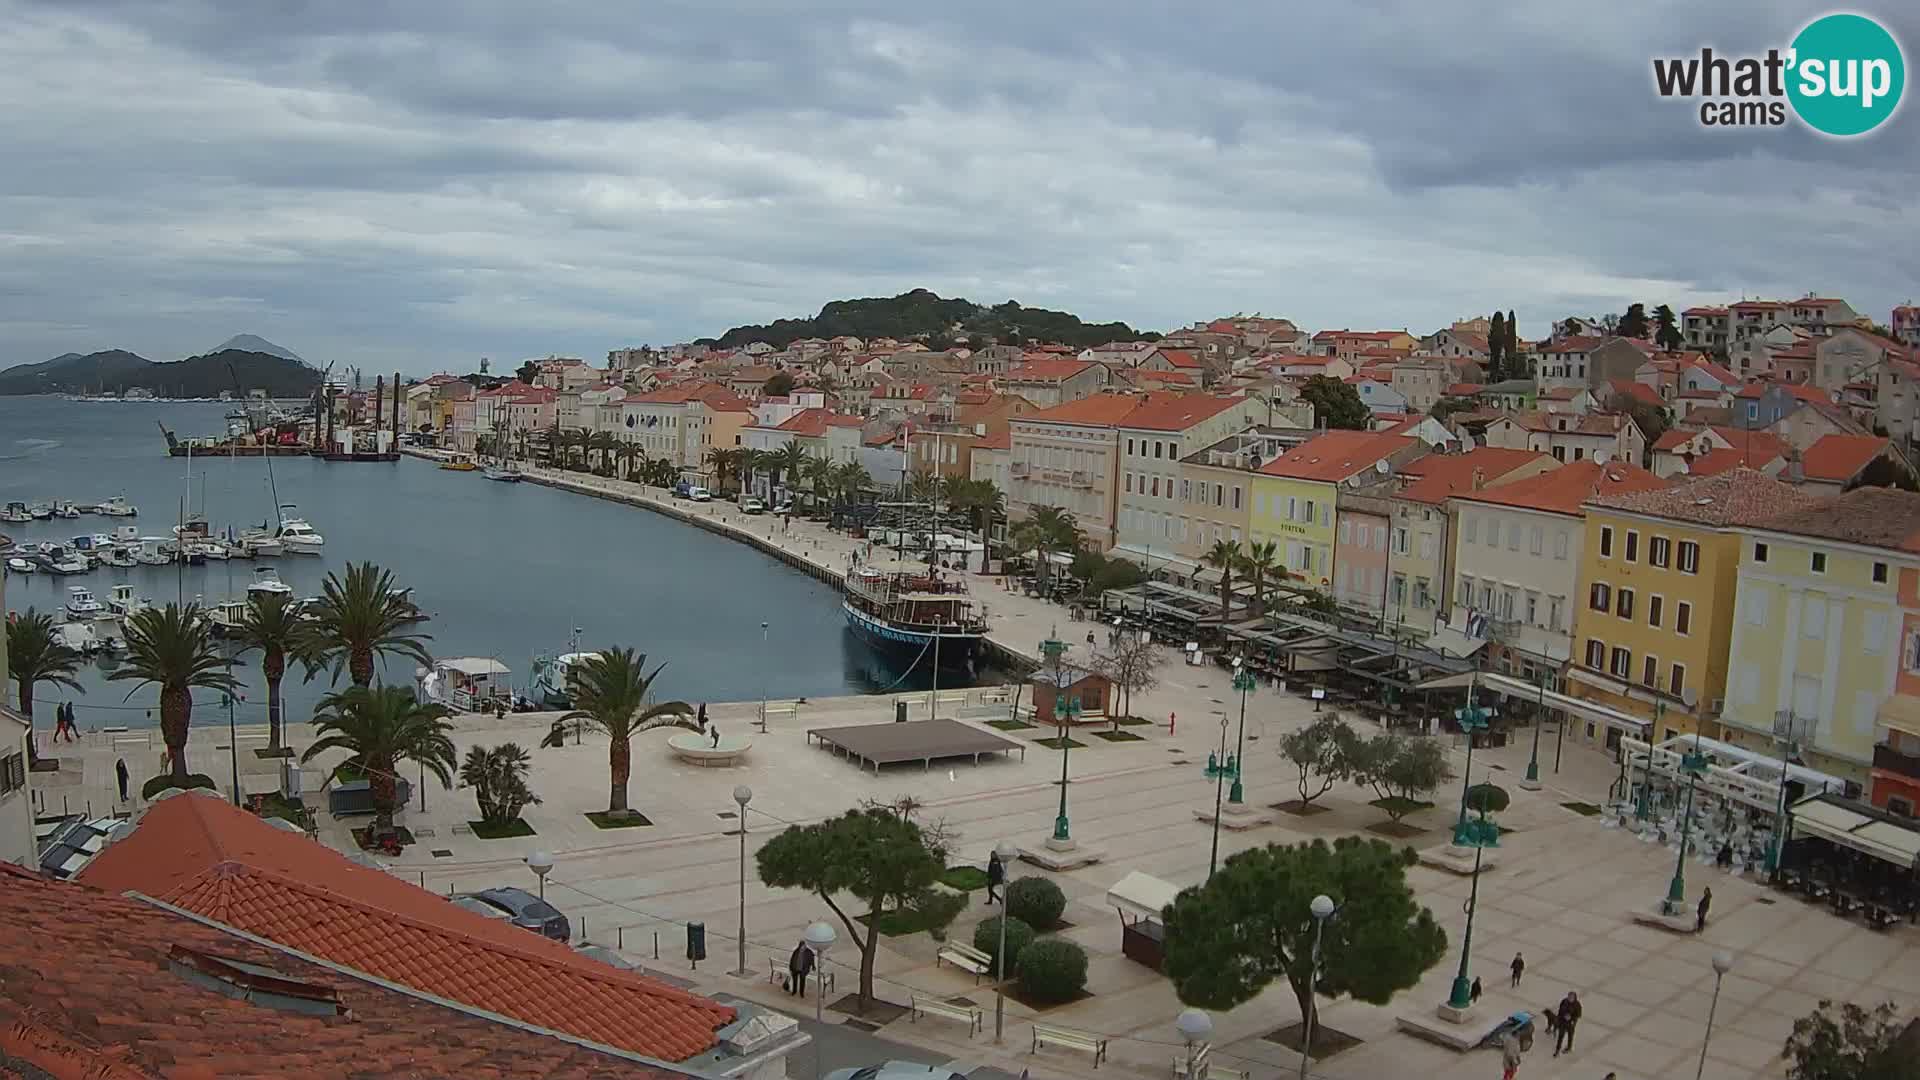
{"x":1692,"y":763}
{"x":1786,"y":731}
{"x":1472,"y":719}
{"x":1065,"y":711}
{"x":1539,"y":721}
{"x":1243,"y":681}
{"x":1643,"y":806}
{"x":1480,"y":833}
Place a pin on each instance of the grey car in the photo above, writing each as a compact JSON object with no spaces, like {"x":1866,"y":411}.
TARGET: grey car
{"x":896,"y":1070}
{"x":524,"y":909}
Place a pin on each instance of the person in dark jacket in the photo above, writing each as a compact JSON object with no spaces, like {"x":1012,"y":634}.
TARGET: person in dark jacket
{"x":120,"y":771}
{"x":996,"y":875}
{"x":1569,"y":1019}
{"x":1519,"y":968}
{"x":1473,"y":995}
{"x":798,"y":967}
{"x":1700,"y":913}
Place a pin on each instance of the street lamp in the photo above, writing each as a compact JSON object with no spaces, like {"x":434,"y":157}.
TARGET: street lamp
{"x":1007,"y":853}
{"x":541,"y":864}
{"x":1692,"y":763}
{"x":1218,"y":767}
{"x":1322,"y":908}
{"x":819,"y":937}
{"x":1065,"y":710}
{"x":743,"y":795}
{"x":1722,"y":963}
{"x":1243,"y":681}
{"x":1196,"y":1027}
{"x":1481,"y":834}
{"x":1786,"y":732}
{"x":1471,"y":719}
{"x":764,"y":665}
{"x":1539,"y":721}
{"x":1643,"y":808}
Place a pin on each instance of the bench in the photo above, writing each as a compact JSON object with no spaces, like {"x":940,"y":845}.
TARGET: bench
{"x":777,"y":974}
{"x":1085,"y":1041}
{"x":995,"y":695}
{"x":967,"y":1014}
{"x":1202,"y":1064}
{"x":965,"y":957}
{"x":777,"y":712}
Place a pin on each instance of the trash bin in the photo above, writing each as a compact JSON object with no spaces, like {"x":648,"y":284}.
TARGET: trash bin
{"x":696,"y":941}
{"x":899,"y":712}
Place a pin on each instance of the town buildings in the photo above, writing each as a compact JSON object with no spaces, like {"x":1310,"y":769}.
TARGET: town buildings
{"x":1068,"y":456}
{"x":1150,"y":526}
{"x":16,"y":795}
{"x":1296,"y":495}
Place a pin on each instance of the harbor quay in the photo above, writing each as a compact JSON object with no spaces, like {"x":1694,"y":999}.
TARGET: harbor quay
{"x":1563,"y":895}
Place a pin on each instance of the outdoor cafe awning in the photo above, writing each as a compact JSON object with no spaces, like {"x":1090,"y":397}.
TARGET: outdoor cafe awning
{"x":1526,"y":691}
{"x":1821,"y":816}
{"x":1142,"y":895}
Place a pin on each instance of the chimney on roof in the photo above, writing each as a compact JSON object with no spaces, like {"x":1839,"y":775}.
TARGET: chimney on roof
{"x":1479,"y":479}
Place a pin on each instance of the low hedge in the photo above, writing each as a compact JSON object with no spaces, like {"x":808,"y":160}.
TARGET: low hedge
{"x":986,"y":938}
{"x":1053,"y":969}
{"x":1036,"y":901}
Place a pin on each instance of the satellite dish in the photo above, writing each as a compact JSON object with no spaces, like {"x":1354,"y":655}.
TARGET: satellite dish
{"x":1599,"y":457}
{"x":1382,"y":467}
{"x":1690,"y":697}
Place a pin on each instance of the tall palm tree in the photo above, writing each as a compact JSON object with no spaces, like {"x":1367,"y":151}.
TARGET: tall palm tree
{"x":983,"y":504}
{"x":726,"y":462}
{"x":850,"y":479}
{"x":922,"y":486}
{"x":659,"y":472}
{"x":603,"y":443}
{"x":628,"y":455}
{"x":1262,"y":564}
{"x":819,"y":476}
{"x":788,"y":461}
{"x":383,"y":726}
{"x":359,"y":617}
{"x":34,"y":656}
{"x":1047,"y":530}
{"x":173,"y":647}
{"x":612,"y":692}
{"x":1224,"y":556}
{"x":272,"y":628}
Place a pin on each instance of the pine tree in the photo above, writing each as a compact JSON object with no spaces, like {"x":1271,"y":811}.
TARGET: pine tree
{"x":1634,"y":323}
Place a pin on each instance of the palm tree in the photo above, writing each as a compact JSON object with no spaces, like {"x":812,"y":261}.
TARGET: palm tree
{"x":727,"y":463}
{"x":1224,"y":556}
{"x":272,"y":627}
{"x":850,"y":480}
{"x":173,"y":646}
{"x":35,"y":656}
{"x":922,"y":486}
{"x":583,"y":439}
{"x":1262,"y":564}
{"x":819,"y":476}
{"x":383,"y":726}
{"x":612,"y":691}
{"x":605,"y":444}
{"x":1047,"y":530}
{"x":982,"y":502}
{"x":788,"y":461}
{"x":659,"y":472}
{"x":359,"y":617}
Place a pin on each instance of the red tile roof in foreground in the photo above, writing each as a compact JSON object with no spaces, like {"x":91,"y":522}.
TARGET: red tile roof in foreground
{"x":1739,"y":496}
{"x":223,"y":863}
{"x":1840,"y":458}
{"x":90,"y":993}
{"x":1178,"y":412}
{"x":1442,"y":476}
{"x":1563,"y":490}
{"x":1335,"y":456}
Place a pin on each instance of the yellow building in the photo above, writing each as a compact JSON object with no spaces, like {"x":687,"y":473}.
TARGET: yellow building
{"x":1654,"y":617}
{"x":1294,"y":495}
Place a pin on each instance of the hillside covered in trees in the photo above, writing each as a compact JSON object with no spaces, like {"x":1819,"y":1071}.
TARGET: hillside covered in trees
{"x":940,"y":322}
{"x":117,"y":371}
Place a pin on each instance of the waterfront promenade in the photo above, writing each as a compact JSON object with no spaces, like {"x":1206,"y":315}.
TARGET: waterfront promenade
{"x":1562,"y":895}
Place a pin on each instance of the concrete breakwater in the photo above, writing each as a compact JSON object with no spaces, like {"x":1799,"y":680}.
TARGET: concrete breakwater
{"x":805,"y":553}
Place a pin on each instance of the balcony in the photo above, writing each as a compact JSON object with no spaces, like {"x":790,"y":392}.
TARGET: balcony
{"x":1887,"y":759}
{"x":1017,"y":468}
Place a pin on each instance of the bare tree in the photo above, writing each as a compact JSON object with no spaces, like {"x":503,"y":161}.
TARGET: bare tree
{"x":1132,"y":666}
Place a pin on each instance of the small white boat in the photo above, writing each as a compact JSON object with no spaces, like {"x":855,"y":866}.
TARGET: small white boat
{"x":78,"y":636}
{"x":266,"y":582}
{"x":123,"y":604}
{"x":82,"y":605}
{"x":260,"y":543}
{"x":227,"y":615}
{"x":122,"y":558}
{"x":124,"y":536}
{"x":118,"y":507}
{"x":18,"y":565}
{"x":465,"y":683}
{"x":40,"y":511}
{"x":298,"y":536}
{"x":150,"y":553}
{"x":506,"y":474}
{"x":212,"y":549}
{"x":16,"y":512}
{"x":552,"y":678}
{"x":64,"y":509}
{"x":57,"y":559}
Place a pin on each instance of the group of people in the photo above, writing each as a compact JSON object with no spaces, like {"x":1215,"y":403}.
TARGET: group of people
{"x":1561,"y":1020}
{"x":64,"y":722}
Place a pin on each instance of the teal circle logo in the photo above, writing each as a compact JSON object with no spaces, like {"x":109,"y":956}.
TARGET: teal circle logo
{"x":1846,"y":75}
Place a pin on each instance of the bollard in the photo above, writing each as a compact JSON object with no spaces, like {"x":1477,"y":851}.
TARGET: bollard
{"x":620,"y":936}
{"x":656,"y":944}
{"x":583,"y":928}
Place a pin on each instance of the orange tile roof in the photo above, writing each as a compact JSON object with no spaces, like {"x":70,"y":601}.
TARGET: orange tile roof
{"x":812,"y":423}
{"x":1335,"y":456}
{"x":1575,"y":343}
{"x":1100,"y":410}
{"x":1715,"y":311}
{"x":1442,"y":476}
{"x":1048,"y":370}
{"x":1727,"y":458}
{"x":1874,"y":516}
{"x":1178,"y":412}
{"x":1563,"y":490}
{"x":1763,"y":445}
{"x":1180,"y":358}
{"x":1841,"y":457}
{"x":1635,"y":389}
{"x":91,"y":993}
{"x":1181,"y":378}
{"x":219,"y":861}
{"x":1739,"y":496}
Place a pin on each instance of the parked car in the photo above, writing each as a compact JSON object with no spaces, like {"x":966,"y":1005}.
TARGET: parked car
{"x":896,"y":1070}
{"x":752,"y":505}
{"x":699,"y":494}
{"x":682,"y":489}
{"x":522,"y":908}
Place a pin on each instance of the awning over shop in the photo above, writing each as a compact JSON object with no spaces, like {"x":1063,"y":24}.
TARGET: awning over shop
{"x":1451,"y":642}
{"x":1526,"y":691}
{"x":1902,"y":714}
{"x":1860,"y":829}
{"x":1142,"y":895}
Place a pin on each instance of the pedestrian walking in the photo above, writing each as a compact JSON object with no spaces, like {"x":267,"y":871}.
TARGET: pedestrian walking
{"x":798,"y":965}
{"x":1509,"y":1057}
{"x":1474,"y":994}
{"x":1519,"y":968}
{"x":120,"y":771}
{"x":1700,"y":913}
{"x":1089,"y":639}
{"x":700,"y":717}
{"x":1569,"y":1019}
{"x":1171,"y":716}
{"x":996,"y":875}
{"x":714,"y":732}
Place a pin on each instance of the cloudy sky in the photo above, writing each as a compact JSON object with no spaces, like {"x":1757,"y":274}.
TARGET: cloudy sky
{"x":415,"y":185}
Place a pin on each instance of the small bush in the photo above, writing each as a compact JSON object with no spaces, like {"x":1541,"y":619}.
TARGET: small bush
{"x":1036,"y":901}
{"x":1053,"y":969}
{"x":165,"y":781}
{"x":986,"y":938}
{"x":1484,"y":798}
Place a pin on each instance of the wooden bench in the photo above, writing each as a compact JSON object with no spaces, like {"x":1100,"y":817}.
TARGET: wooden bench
{"x":777,"y":974}
{"x":967,"y":1014}
{"x":965,"y":957}
{"x":1085,"y":1041}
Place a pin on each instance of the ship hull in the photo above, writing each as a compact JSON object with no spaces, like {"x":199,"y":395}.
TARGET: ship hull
{"x":958,"y":650}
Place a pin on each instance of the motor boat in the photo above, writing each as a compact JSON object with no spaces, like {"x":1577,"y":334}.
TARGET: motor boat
{"x":18,"y":565}
{"x":466,"y":684}
{"x":82,"y":605}
{"x":505,"y":474}
{"x":64,"y":509}
{"x":552,"y":677}
{"x":194,"y":528}
{"x":16,"y":512}
{"x":124,"y":536}
{"x":260,"y":543}
{"x":227,"y":616}
{"x":120,"y":558}
{"x":266,"y":582}
{"x":213,"y":549}
{"x":78,"y":636}
{"x":40,"y":511}
{"x":118,"y":507}
{"x":56,"y":558}
{"x":123,"y":604}
{"x":298,"y":536}
{"x":152,"y":551}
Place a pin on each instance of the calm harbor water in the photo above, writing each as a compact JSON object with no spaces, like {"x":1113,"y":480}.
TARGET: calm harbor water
{"x":505,"y":570}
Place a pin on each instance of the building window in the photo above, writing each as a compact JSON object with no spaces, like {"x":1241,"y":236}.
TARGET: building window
{"x":1560,"y":545}
{"x":1819,"y":562}
{"x":1129,"y":483}
{"x":1606,"y":542}
{"x":1346,"y":531}
{"x":1653,"y":610}
{"x":1759,"y":553}
{"x":13,"y":773}
{"x":1493,"y":532}
{"x":1472,"y":528}
{"x":1677,"y":680}
{"x":1683,"y":618}
{"x":1633,"y":546}
{"x":1659,"y":551}
{"x":1156,"y":448}
{"x":1600,"y":598}
{"x":1625,"y":605}
{"x":1236,"y":496}
{"x":1689,"y":557}
{"x":1650,"y":672}
{"x":1156,"y":488}
{"x":1554,"y":604}
{"x":1596,"y":654}
{"x":1622,"y":664}
{"x":1536,"y":540}
{"x":1879,"y":573}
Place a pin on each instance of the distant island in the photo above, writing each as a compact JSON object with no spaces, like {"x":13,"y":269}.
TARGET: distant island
{"x":115,"y":371}
{"x":942,"y":323}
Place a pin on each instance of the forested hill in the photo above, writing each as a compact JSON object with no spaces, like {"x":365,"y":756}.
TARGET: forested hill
{"x":940,"y":322}
{"x":115,"y":371}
